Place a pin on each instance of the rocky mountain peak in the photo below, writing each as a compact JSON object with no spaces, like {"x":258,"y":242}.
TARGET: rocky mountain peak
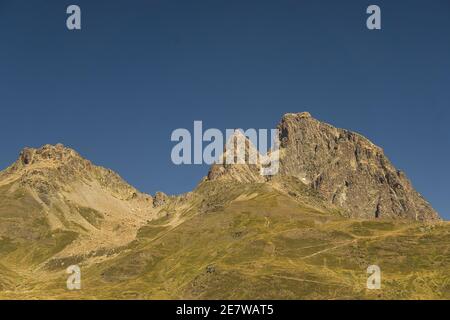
{"x":51,"y":168}
{"x":239,"y":150}
{"x":343,"y":166}
{"x":299,"y":115}
{"x":56,"y":152}
{"x":348,"y":169}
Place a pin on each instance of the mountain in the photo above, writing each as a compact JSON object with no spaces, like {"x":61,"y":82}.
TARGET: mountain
{"x":349,"y":170}
{"x":343,"y":166}
{"x":54,"y":190}
{"x":309,"y":232}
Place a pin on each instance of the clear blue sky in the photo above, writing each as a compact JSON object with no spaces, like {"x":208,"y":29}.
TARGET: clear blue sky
{"x":137,"y":70}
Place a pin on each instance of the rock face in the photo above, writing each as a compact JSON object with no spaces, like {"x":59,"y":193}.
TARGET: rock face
{"x":348,"y":170}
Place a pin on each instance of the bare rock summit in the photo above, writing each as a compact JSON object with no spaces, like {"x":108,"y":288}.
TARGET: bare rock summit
{"x":348,"y":170}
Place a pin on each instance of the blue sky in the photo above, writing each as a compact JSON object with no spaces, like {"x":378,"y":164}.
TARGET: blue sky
{"x":137,"y":70}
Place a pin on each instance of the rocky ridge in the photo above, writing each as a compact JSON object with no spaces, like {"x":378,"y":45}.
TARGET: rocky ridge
{"x":343,"y":166}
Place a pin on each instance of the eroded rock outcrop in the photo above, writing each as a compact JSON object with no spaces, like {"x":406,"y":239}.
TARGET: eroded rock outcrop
{"x":160,"y":199}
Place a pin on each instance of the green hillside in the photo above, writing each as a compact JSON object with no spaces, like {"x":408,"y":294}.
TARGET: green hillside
{"x":242,"y":241}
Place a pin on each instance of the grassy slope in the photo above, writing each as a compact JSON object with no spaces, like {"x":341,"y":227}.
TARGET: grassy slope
{"x":262,"y":245}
